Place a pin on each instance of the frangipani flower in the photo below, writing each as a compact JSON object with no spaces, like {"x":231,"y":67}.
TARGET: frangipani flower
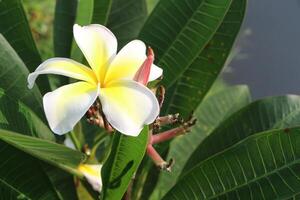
{"x":126,"y":104}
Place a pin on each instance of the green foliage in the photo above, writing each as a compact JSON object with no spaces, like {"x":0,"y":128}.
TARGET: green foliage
{"x":236,"y":150}
{"x":124,"y":159}
{"x":262,"y":166}
{"x":270,"y":113}
{"x":15,"y":116}
{"x":201,"y":74}
{"x":177,"y":41}
{"x":13,"y":74}
{"x":14,"y":27}
{"x":21,"y":176}
{"x":50,"y":152}
{"x":65,"y":13}
{"x":223,"y":103}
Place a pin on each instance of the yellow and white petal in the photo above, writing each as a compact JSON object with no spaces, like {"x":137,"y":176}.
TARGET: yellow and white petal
{"x":128,"y":106}
{"x":127,"y":61}
{"x":65,"y":106}
{"x":98,"y":44}
{"x":93,"y":175}
{"x":65,"y":67}
{"x":155,"y":72}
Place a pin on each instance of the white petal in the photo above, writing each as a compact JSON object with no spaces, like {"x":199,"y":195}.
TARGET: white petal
{"x":65,"y":67}
{"x":128,"y":106}
{"x":65,"y":106}
{"x":93,"y":175}
{"x":155,"y":72}
{"x":127,"y":61}
{"x":98,"y":44}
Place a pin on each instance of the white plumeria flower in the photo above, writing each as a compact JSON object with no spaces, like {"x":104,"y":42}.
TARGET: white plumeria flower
{"x":126,"y":104}
{"x":92,"y":173}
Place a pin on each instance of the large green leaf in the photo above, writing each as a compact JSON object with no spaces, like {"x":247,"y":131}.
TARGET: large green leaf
{"x":15,"y":116}
{"x":126,"y":19}
{"x":178,"y":31}
{"x":47,"y":151}
{"x":65,"y":13}
{"x":197,"y":79}
{"x":14,"y":26}
{"x":22,"y":177}
{"x":13,"y":75}
{"x":263,"y":166}
{"x":269,"y":113}
{"x":214,"y":109}
{"x":126,"y":154}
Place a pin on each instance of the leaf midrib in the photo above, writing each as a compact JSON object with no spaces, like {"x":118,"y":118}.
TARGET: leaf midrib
{"x":10,"y":186}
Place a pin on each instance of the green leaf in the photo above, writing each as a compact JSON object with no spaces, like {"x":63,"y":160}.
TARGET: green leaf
{"x":126,"y":19}
{"x":263,"y":166}
{"x":65,"y":13}
{"x":15,"y":116}
{"x":179,"y":30}
{"x":193,"y":85}
{"x":214,"y":109}
{"x":101,"y":11}
{"x":126,"y":154}
{"x":15,"y":28}
{"x":22,"y":177}
{"x":62,"y":181}
{"x":49,"y":152}
{"x":13,"y":75}
{"x":269,"y":113}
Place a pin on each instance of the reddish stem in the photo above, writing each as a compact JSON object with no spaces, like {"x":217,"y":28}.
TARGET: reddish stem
{"x":167,"y":135}
{"x":154,"y":155}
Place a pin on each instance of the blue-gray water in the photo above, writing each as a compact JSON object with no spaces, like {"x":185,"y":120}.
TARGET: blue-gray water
{"x":272,"y":65}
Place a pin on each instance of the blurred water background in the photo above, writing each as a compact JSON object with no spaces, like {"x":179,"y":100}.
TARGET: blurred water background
{"x":268,"y":58}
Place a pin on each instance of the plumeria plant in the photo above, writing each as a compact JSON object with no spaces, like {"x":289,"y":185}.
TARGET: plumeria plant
{"x":138,"y":111}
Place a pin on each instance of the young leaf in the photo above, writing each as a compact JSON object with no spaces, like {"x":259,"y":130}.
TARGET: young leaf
{"x":263,"y":166}
{"x":261,"y":115}
{"x":15,"y":28}
{"x":190,"y":89}
{"x":213,"y":110}
{"x":13,"y":75}
{"x":179,"y":30}
{"x":126,"y":154}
